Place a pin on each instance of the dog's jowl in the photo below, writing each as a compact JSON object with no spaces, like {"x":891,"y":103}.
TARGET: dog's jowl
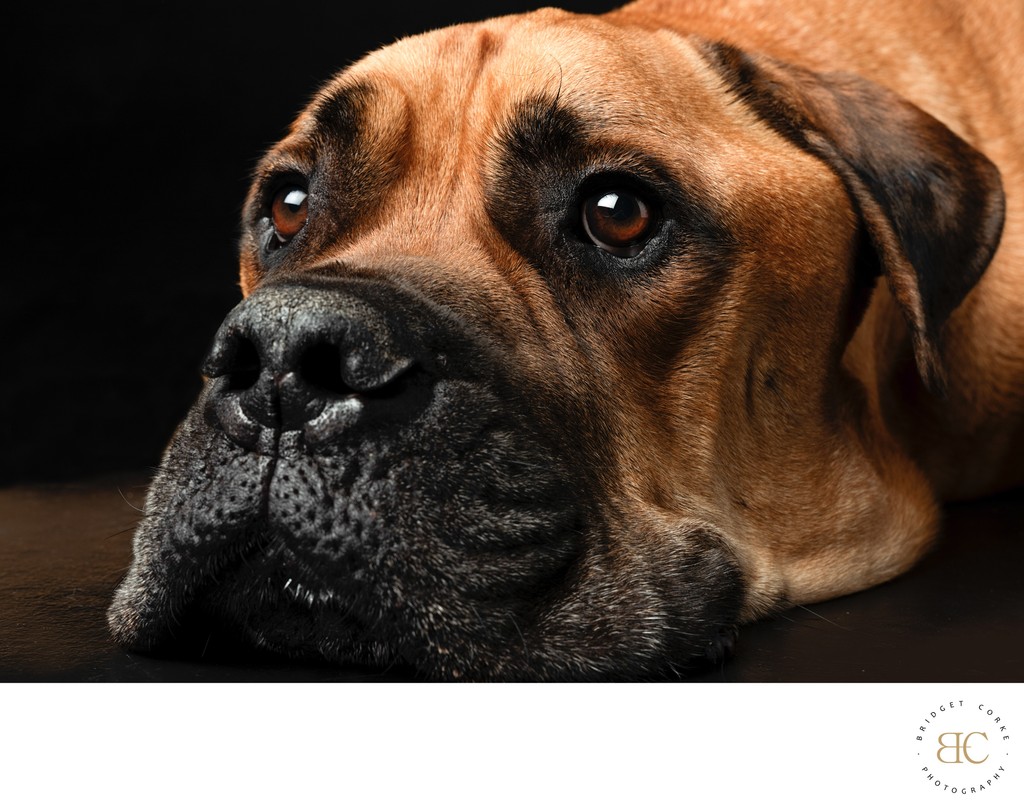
{"x":570,"y":343}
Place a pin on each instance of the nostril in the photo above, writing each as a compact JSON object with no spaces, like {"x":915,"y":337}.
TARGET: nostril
{"x":244,"y":368}
{"x":320,"y":367}
{"x":291,"y":359}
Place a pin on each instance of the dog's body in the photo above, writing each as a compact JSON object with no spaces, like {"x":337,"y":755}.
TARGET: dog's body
{"x":615,"y":372}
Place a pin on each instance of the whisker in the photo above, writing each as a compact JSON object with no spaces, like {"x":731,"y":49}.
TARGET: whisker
{"x":823,"y":618}
{"x":122,"y":531}
{"x":130,"y":504}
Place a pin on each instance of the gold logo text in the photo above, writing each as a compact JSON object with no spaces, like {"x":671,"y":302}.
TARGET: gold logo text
{"x":961,"y":746}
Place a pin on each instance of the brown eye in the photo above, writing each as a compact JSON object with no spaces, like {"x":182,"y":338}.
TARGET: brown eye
{"x":288,"y":212}
{"x":618,"y":221}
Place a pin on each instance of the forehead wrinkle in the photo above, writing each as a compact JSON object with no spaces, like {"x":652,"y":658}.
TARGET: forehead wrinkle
{"x":439,"y":79}
{"x":616,"y":77}
{"x":335,"y":110}
{"x":452,"y":113}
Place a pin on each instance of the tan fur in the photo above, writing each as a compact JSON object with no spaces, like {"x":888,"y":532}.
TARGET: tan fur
{"x":821,"y":461}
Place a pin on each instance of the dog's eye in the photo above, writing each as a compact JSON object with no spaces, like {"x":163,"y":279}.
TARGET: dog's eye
{"x":619,"y":222}
{"x":288,"y":212}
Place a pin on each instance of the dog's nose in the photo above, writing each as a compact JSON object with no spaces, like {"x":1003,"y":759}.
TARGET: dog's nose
{"x":309,"y":358}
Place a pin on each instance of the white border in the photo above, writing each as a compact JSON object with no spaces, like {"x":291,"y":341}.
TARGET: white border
{"x":482,"y":746}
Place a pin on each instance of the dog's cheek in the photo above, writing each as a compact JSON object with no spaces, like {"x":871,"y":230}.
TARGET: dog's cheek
{"x":708,"y":592}
{"x":655,"y":603}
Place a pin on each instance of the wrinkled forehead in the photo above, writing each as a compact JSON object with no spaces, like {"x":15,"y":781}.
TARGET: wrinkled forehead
{"x":457,"y":87}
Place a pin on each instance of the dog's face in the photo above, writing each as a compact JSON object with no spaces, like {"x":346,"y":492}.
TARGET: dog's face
{"x":539,"y":372}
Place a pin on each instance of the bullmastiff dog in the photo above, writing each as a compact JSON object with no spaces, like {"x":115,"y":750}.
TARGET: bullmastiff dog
{"x":569,"y":342}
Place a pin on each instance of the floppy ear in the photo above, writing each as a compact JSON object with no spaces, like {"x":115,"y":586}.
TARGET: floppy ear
{"x":932,"y":206}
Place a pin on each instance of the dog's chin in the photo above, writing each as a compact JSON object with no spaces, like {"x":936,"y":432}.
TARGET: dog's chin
{"x":572,"y":622}
{"x":253,"y":612}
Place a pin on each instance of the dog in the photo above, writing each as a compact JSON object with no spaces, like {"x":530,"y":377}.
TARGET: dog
{"x":570,"y":343}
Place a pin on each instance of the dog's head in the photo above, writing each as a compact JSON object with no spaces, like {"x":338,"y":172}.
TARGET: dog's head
{"x":540,"y":368}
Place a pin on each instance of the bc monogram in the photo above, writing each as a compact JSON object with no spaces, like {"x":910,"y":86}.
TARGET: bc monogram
{"x":961,"y":747}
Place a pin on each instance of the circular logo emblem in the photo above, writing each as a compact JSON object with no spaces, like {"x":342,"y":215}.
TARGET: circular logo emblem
{"x":963,"y":748}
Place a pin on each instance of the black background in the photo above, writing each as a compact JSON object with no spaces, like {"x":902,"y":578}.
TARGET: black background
{"x":130,"y":131}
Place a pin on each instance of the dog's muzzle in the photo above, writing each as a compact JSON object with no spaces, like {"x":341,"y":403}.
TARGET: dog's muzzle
{"x":370,"y":477}
{"x":361,"y":481}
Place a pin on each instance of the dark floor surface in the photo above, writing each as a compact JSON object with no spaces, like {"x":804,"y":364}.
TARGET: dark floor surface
{"x":958,"y":616}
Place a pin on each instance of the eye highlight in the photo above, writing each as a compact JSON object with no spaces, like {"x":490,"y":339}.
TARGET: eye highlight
{"x":288,"y":212}
{"x":618,"y":221}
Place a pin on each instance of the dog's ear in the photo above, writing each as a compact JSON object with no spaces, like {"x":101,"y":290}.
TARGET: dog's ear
{"x":932,"y":206}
